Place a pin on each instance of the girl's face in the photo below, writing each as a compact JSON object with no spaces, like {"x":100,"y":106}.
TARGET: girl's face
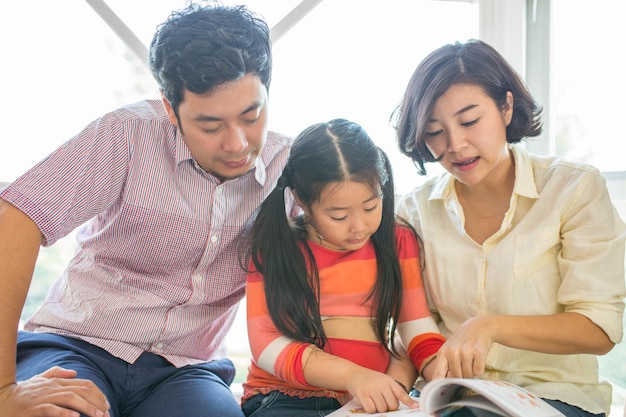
{"x":345,"y":216}
{"x":468,"y":131}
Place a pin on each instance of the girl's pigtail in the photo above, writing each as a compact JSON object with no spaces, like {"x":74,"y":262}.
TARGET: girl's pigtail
{"x":388,"y":288}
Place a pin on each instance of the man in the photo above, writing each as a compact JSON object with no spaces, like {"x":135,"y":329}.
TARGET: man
{"x":135,"y":324}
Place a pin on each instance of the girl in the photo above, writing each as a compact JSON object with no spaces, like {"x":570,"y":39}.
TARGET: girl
{"x":328,"y":290}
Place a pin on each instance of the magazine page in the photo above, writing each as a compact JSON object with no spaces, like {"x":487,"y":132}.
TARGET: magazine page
{"x":512,"y":400}
{"x":354,"y":409}
{"x":478,"y":406}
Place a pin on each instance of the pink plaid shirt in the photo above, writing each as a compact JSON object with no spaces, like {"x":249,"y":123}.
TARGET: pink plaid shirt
{"x":156,"y":268}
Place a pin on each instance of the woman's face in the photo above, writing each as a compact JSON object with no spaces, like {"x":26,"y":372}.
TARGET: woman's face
{"x":468,"y":131}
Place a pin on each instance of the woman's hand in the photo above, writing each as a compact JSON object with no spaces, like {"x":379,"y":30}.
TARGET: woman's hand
{"x":464,"y":353}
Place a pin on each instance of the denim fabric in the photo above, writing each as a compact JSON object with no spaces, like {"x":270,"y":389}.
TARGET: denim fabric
{"x":276,"y":404}
{"x":571,"y":410}
{"x":568,"y":410}
{"x":150,"y":387}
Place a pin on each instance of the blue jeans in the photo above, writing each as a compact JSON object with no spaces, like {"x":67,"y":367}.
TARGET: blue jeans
{"x":568,"y":410}
{"x":148,"y":388}
{"x":276,"y":404}
{"x":571,"y":410}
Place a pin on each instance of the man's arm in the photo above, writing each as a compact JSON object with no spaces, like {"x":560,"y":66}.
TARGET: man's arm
{"x":20,"y":239}
{"x":53,"y":393}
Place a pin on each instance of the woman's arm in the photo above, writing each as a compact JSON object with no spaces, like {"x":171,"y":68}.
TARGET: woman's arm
{"x":465,"y":352}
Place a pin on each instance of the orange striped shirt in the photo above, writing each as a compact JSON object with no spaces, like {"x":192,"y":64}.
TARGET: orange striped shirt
{"x":346,"y":281}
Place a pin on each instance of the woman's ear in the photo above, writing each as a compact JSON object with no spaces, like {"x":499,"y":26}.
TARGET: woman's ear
{"x":508,"y":108}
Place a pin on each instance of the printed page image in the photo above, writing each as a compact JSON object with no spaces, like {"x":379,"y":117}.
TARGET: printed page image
{"x":513,"y":400}
{"x":354,"y":409}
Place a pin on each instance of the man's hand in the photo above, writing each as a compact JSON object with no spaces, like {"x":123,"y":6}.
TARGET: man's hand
{"x":53,"y":393}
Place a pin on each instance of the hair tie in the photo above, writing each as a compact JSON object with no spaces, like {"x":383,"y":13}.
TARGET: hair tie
{"x":282,"y":183}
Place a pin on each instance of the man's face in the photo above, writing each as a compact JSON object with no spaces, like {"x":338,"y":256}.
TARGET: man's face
{"x":225,"y":129}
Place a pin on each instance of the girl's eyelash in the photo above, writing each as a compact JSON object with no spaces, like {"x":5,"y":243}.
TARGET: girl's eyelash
{"x":338,"y":219}
{"x":471,"y":123}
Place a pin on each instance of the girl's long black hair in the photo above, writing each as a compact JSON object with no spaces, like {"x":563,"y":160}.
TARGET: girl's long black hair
{"x":336,"y":151}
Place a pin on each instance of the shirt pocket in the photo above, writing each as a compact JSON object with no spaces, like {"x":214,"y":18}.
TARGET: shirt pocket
{"x":536,"y":254}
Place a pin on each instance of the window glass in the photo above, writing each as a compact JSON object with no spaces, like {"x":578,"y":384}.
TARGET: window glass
{"x":353,"y":59}
{"x":142,"y":16}
{"x":349,"y":59}
{"x":346,"y":58}
{"x":60,"y":70}
{"x":586,"y":91}
{"x":586,"y":81}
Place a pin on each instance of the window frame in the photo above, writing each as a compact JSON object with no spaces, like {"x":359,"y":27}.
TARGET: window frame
{"x":520,"y":30}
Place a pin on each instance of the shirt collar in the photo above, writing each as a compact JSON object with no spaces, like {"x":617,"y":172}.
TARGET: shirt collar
{"x":182,"y":154}
{"x":524,"y":178}
{"x":181,"y":151}
{"x":260,"y":168}
{"x":444,"y":188}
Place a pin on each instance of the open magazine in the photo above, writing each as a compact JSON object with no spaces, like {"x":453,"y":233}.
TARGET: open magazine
{"x":481,"y":398}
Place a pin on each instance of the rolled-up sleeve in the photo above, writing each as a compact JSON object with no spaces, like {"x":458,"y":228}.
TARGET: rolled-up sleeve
{"x":591,"y":259}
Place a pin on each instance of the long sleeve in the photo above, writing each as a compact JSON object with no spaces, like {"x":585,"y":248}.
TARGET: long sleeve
{"x":272,"y":352}
{"x":418,"y":331}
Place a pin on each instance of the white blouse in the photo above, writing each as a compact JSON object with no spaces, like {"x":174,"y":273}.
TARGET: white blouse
{"x":560,"y":248}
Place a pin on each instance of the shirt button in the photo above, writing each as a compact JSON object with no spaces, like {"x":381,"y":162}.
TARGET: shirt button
{"x":218,"y":191}
{"x":197,"y":279}
{"x":159,"y":345}
{"x":213,"y":238}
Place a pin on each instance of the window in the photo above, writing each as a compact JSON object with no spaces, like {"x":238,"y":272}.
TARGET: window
{"x":585,"y":82}
{"x":585,"y":91}
{"x":574,"y":68}
{"x":61,"y":70}
{"x":358,"y":65}
{"x":335,"y":73}
{"x":348,"y":59}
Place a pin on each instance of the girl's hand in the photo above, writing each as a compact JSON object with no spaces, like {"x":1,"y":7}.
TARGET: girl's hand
{"x":378,"y":392}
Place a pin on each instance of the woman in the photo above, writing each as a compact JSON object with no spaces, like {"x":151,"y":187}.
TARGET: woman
{"x":524,"y":254}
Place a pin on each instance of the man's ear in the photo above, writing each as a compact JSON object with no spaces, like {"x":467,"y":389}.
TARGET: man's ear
{"x":299,"y":202}
{"x":171,"y":114}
